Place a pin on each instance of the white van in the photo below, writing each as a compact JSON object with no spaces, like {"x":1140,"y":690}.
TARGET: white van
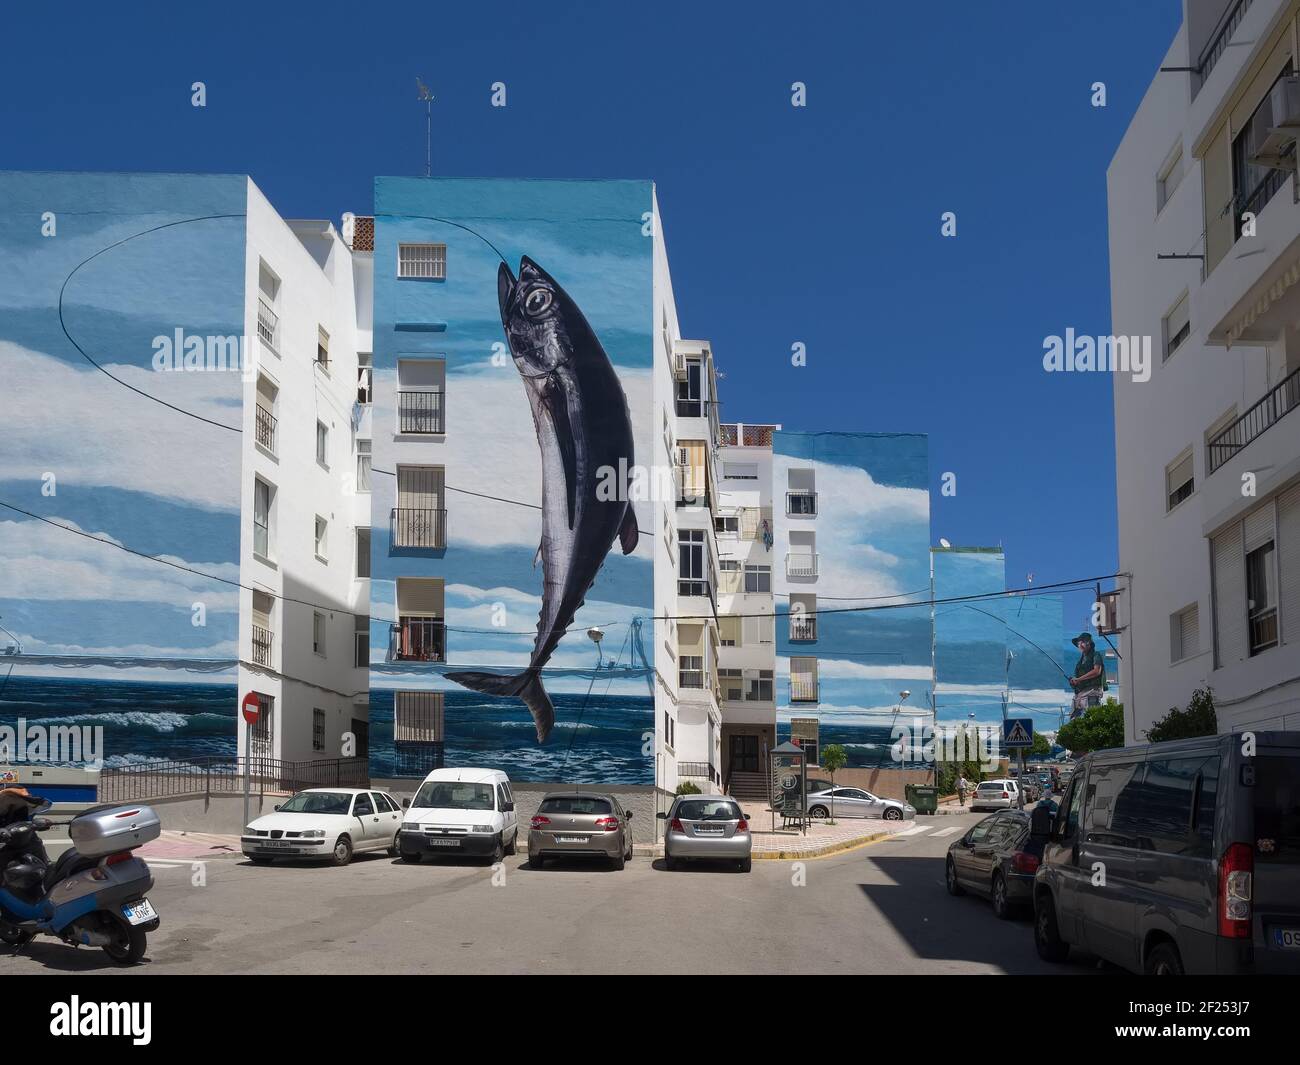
{"x":460,"y":811}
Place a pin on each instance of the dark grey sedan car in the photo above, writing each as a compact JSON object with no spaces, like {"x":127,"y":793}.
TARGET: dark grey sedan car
{"x":997,"y":858}
{"x":580,"y":825}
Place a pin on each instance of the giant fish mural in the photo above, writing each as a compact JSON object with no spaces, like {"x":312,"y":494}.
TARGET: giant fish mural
{"x":583,"y":427}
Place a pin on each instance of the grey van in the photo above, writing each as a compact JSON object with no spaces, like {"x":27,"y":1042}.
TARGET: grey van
{"x":1179,"y":857}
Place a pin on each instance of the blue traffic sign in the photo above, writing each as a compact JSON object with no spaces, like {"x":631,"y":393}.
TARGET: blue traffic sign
{"x":1018,"y":732}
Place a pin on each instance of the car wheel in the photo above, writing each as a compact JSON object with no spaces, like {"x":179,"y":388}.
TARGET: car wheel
{"x":535,"y":861}
{"x":892,"y":813}
{"x":513,"y":846}
{"x":410,"y":857}
{"x":950,"y":878}
{"x":15,"y":937}
{"x":1164,"y":961}
{"x":1001,"y":904}
{"x":396,"y":849}
{"x":670,"y":863}
{"x":746,"y":864}
{"x":342,"y":853}
{"x":498,"y":850}
{"x":1047,"y":937}
{"x":819,"y":811}
{"x":619,"y":861}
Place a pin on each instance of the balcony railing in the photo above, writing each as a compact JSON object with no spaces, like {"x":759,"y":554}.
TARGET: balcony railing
{"x":691,"y":678}
{"x":421,"y":412}
{"x":268,"y":322}
{"x":803,"y":689}
{"x":692,"y":587}
{"x":1263,"y":630}
{"x":264,"y":428}
{"x":1218,"y":44}
{"x":263,"y":645}
{"x":803,"y":629}
{"x":699,"y":771}
{"x":418,"y":640}
{"x":800,"y":564}
{"x":1276,"y":404}
{"x":419,"y":527}
{"x":801,"y":502}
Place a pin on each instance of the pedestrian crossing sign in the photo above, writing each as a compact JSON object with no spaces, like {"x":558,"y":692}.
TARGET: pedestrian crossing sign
{"x":1018,"y":732}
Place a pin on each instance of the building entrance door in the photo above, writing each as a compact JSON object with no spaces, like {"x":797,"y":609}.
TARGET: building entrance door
{"x":744,"y":754}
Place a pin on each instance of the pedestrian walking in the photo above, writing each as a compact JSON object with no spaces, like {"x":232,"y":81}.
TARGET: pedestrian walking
{"x":962,"y":785}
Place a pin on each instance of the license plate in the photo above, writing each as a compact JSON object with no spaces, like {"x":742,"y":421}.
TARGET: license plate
{"x":274,"y":844}
{"x":1286,"y":938}
{"x":701,"y":830}
{"x":570,"y":839}
{"x":139,"y":912}
{"x":443,"y":842}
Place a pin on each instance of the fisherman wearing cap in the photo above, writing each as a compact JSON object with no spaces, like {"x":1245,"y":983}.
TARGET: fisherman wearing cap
{"x":1089,"y":680}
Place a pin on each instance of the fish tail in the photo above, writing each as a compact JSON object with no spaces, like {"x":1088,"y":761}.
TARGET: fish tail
{"x":526,"y":686}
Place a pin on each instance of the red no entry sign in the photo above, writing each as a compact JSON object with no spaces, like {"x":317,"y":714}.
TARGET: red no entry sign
{"x":251,"y":708}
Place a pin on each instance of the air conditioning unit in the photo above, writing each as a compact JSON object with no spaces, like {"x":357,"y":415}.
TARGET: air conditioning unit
{"x":679,"y":365}
{"x":1278,"y":126}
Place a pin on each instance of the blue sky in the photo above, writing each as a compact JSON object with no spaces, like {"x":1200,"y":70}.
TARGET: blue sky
{"x":817,"y":225}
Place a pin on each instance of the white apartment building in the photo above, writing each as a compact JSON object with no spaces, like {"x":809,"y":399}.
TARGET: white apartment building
{"x":1208,"y":449}
{"x":746,"y":533}
{"x":304,"y":550}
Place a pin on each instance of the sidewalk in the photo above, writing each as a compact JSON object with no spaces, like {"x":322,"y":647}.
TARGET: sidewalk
{"x":822,"y":838}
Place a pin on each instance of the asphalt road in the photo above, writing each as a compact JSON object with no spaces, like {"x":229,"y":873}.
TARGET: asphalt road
{"x":881,"y":908}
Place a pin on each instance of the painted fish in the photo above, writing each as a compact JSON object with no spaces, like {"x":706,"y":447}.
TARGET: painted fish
{"x":583,"y":428}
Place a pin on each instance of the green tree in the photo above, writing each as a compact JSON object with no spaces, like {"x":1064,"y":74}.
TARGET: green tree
{"x":1095,"y":729}
{"x":1199,"y":719}
{"x":833,"y":756}
{"x":1041,"y":745}
{"x":687,"y":788}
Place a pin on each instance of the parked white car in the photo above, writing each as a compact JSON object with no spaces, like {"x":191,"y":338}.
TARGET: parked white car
{"x":461,"y":811}
{"x":995,"y":795}
{"x":854,"y":802}
{"x":326,"y":823}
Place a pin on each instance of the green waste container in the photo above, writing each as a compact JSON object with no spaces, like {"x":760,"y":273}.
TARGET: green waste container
{"x":924,"y":797}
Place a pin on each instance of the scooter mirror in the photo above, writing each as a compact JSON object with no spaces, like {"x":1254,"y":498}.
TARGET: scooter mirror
{"x":46,"y":804}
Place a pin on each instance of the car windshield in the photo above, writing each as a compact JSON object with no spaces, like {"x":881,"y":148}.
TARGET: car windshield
{"x":318,"y":802}
{"x":573,"y":804}
{"x":1277,"y":808}
{"x":701,"y":810}
{"x":453,"y":795}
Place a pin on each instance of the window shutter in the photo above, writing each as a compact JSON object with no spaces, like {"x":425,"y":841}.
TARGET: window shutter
{"x":1258,"y":527}
{"x":1229,"y":597}
{"x":1288,"y":563}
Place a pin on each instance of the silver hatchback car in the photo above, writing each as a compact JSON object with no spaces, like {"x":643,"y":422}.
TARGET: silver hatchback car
{"x":707,"y":826}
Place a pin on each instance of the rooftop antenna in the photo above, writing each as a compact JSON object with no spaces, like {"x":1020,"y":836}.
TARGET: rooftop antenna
{"x":427,"y":97}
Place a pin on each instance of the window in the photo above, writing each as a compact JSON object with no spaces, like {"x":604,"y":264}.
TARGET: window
{"x":732,"y":682}
{"x":1254,"y":184}
{"x":803,"y":680}
{"x":1261,"y":598}
{"x":365,"y":377}
{"x":263,"y":636}
{"x":263,"y":495}
{"x":418,"y":717}
{"x":691,"y":671}
{"x":427,"y":261}
{"x":363,"y":806}
{"x":363,"y":553}
{"x":318,"y":730}
{"x":1176,"y":326}
{"x":264,"y":415}
{"x":757,"y":629}
{"x":322,"y":348}
{"x":268,"y":294}
{"x":740,"y":471}
{"x":729,"y":631}
{"x":322,"y":538}
{"x":322,"y":445}
{"x":1179,"y":480}
{"x":1170,"y":176}
{"x":668,"y":730}
{"x":691,"y":579}
{"x":758,"y":578}
{"x":727,"y":524}
{"x":263,"y":745}
{"x":318,"y":633}
{"x":690,"y":397}
{"x":361,"y":642}
{"x":759,"y":688}
{"x":1184,"y":634}
{"x":420,"y":518}
{"x":363,"y":465}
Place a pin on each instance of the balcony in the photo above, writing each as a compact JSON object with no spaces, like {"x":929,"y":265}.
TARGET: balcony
{"x":1218,"y":42}
{"x":699,"y":771}
{"x":692,"y":486}
{"x":802,"y":503}
{"x":1276,"y":405}
{"x":418,"y":527}
{"x":803,"y":688}
{"x":418,"y":639}
{"x":800,"y":564}
{"x":263,"y":646}
{"x":1263,"y":630}
{"x":268,"y":323}
{"x":264,"y":428}
{"x":694,"y":588}
{"x":421,"y":413}
{"x":803,"y":629}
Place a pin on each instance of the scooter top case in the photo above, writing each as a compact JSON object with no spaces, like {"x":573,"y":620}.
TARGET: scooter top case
{"x":105,"y":830}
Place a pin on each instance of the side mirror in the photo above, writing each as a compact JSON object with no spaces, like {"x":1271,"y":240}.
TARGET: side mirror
{"x":276,"y":806}
{"x":629,"y":815}
{"x":42,"y":824}
{"x":1040,"y":823}
{"x":406,"y":804}
{"x":662,"y":815}
{"x":507,"y":806}
{"x":746,"y":817}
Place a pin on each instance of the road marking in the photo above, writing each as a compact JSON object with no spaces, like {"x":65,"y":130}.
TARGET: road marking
{"x":911,"y":831}
{"x":946,"y":832}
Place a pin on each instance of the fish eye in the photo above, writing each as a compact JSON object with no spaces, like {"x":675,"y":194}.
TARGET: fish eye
{"x":537,"y":302}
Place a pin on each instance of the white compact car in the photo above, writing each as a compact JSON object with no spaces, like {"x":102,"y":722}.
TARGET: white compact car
{"x":854,"y":802}
{"x":461,"y":811}
{"x":327,"y":823}
{"x":995,"y":795}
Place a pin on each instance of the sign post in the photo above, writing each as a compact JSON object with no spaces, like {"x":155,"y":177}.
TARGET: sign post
{"x":1018,"y":735}
{"x":251,"y":709}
